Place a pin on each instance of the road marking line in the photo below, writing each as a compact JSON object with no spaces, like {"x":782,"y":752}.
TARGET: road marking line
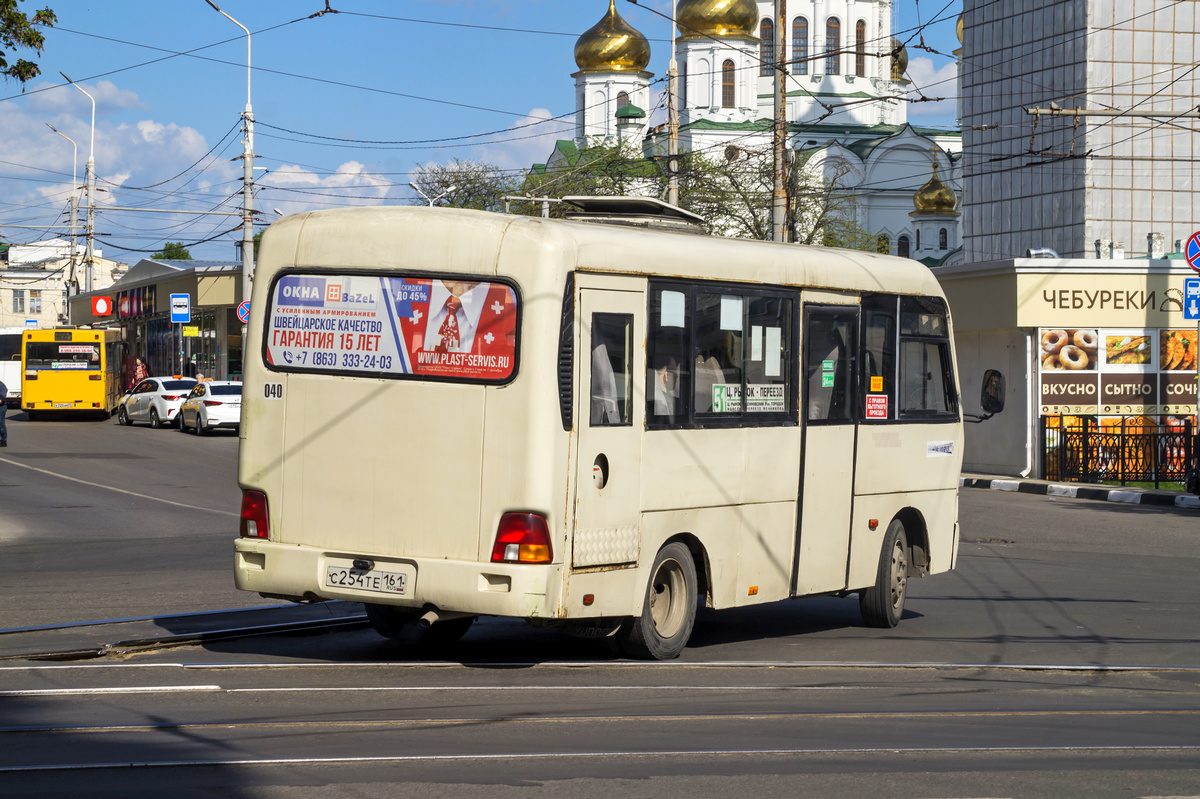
{"x":148,"y":689}
{"x":514,"y":756}
{"x":629,"y":664}
{"x":118,"y":490}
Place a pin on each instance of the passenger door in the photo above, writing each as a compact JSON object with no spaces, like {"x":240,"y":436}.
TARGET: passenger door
{"x":609,"y":417}
{"x":140,"y":401}
{"x":828,"y":412}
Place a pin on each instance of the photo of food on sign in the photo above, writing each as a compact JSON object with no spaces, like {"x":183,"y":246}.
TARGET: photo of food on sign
{"x":1121,"y":350}
{"x":1073,"y":350}
{"x":1177,"y":350}
{"x":422,"y":327}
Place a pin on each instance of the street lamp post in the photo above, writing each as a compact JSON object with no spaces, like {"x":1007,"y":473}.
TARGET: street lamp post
{"x":248,"y":171}
{"x":90,"y":172}
{"x":417,"y":189}
{"x":74,"y":199}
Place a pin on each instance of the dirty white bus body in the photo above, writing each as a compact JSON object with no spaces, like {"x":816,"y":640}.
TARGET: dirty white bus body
{"x":617,"y":423}
{"x":10,"y":363}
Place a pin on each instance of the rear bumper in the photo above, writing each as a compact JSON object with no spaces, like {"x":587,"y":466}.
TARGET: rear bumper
{"x":491,"y":589}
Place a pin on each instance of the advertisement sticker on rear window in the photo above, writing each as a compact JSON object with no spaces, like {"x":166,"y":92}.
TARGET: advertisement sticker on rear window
{"x":420,"y":327}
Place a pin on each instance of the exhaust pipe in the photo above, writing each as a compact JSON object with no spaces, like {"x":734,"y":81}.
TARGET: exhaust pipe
{"x":433,"y":616}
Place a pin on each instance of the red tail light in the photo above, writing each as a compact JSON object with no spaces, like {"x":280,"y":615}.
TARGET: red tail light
{"x":172,"y":397}
{"x":522,"y":538}
{"x":256,"y":521}
{"x":94,"y":377}
{"x":211,"y":403}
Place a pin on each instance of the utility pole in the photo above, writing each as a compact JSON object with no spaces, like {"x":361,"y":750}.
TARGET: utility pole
{"x":779,"y":143}
{"x":247,"y":171}
{"x":673,"y":120}
{"x":89,"y":260}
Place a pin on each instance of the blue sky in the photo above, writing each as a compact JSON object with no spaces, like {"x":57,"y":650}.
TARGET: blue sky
{"x":420,"y":78}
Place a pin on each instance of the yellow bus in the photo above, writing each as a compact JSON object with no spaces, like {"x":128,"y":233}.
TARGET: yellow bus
{"x":452,"y":413}
{"x":70,"y":371}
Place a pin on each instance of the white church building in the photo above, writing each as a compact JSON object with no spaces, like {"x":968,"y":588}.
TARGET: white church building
{"x":845,"y":108}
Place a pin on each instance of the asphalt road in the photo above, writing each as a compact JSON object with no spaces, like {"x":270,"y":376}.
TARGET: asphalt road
{"x":1062,"y":658}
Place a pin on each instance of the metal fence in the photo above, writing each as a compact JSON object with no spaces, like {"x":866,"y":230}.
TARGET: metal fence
{"x":1129,"y":450}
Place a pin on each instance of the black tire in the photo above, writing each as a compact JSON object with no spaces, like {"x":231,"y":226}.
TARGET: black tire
{"x":123,"y":416}
{"x":201,"y":430}
{"x":182,"y":426}
{"x":155,"y":422}
{"x":391,"y":622}
{"x":882,"y":604}
{"x":668,"y":610}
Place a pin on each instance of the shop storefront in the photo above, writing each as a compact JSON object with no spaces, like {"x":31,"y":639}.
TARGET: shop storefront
{"x":209,"y":346}
{"x":1090,"y":348}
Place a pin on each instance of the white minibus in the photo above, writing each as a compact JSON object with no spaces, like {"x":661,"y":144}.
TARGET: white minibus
{"x":450,"y":413}
{"x":10,"y":363}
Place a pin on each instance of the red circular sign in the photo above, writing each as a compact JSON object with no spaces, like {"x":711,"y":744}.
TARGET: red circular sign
{"x":1192,"y":251}
{"x":102,"y":306}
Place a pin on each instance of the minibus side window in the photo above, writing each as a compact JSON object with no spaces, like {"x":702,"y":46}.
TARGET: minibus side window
{"x":829,"y":364}
{"x":718,"y":363}
{"x":879,"y":356}
{"x":769,"y":355}
{"x":612,"y":370}
{"x":668,"y":373}
{"x":720,"y":356}
{"x":927,"y":387}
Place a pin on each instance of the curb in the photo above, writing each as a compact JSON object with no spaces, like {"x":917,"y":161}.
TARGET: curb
{"x":1130,"y":497}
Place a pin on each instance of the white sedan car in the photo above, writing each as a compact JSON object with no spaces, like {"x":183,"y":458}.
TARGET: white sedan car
{"x":211,"y":405}
{"x":155,"y":400}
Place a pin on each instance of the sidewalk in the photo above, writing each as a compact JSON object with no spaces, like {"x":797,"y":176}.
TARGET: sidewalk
{"x":1132,"y":496}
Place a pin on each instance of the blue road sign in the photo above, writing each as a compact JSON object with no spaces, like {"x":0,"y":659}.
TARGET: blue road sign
{"x":1191,"y":298}
{"x":181,"y":309}
{"x":1192,"y":251}
{"x":244,"y":312}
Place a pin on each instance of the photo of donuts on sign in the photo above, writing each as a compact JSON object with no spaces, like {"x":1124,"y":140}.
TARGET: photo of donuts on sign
{"x":1117,"y":371}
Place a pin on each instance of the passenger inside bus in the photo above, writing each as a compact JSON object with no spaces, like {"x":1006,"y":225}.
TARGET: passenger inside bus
{"x":665,"y":379}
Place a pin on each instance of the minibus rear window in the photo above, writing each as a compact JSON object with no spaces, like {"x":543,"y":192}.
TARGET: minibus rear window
{"x":393,"y":326}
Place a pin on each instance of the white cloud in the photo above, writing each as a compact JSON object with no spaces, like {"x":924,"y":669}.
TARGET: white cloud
{"x":292,"y":189}
{"x":530,"y":141}
{"x":54,"y":98}
{"x":935,"y":83}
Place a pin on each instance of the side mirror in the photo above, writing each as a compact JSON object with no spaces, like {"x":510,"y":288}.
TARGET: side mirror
{"x":991,"y":398}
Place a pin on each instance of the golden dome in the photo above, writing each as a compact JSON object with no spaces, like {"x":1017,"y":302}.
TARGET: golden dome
{"x":899,"y":59}
{"x":612,"y":45}
{"x":958,"y":29}
{"x":699,"y":19}
{"x":935,"y":198}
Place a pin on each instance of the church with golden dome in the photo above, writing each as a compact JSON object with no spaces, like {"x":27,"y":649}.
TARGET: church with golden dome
{"x":846,"y":115}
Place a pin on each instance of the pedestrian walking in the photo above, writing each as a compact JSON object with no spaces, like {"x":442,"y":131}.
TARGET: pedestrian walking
{"x":3,"y":410}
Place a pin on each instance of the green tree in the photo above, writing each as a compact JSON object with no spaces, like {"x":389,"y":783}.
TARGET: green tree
{"x":18,"y":31}
{"x":602,"y":170}
{"x":465,"y":184}
{"x":174,"y":251}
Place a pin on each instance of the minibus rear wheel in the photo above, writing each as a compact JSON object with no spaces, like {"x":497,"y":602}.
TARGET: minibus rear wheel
{"x":669,"y":609}
{"x":882,"y":604}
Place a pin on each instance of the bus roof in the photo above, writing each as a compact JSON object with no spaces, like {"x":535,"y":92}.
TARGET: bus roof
{"x":441,"y":239}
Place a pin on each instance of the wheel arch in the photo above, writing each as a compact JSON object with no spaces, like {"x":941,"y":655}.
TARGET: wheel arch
{"x":701,"y":561}
{"x":917,"y":532}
